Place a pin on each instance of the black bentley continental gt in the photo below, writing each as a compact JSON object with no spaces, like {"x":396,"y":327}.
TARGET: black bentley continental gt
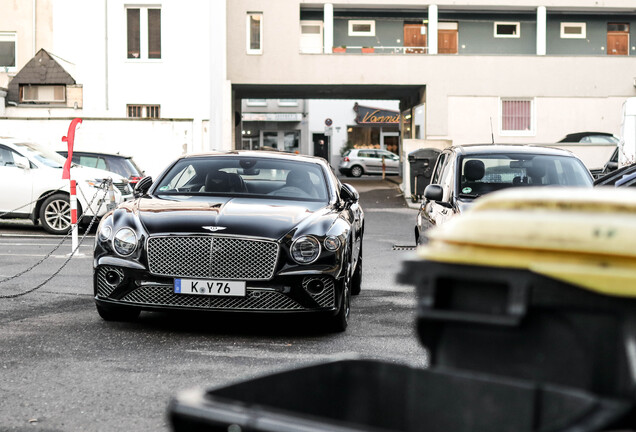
{"x":237,"y":231}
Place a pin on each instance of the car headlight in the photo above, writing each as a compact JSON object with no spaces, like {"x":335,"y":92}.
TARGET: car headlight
{"x":94,"y":182}
{"x":305,"y":250}
{"x":104,"y":232}
{"x":332,"y":243}
{"x":125,"y":241}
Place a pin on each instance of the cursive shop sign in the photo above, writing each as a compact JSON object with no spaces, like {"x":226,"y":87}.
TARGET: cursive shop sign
{"x":375,"y":116}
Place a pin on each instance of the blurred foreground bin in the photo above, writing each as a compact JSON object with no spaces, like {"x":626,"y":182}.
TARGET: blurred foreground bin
{"x":367,"y":395}
{"x":421,"y":163}
{"x":527,"y":303}
{"x":536,"y":284}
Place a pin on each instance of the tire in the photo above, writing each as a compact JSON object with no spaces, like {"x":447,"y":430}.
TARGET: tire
{"x":356,"y":280}
{"x":339,"y":322}
{"x":356,"y":171}
{"x":118,"y":313}
{"x":55,"y":214}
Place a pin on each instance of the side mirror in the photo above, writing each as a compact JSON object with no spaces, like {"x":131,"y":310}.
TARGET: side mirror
{"x":433,"y":192}
{"x":142,"y":186}
{"x":349,"y":193}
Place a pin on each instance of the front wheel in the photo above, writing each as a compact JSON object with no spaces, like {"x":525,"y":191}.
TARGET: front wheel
{"x":55,"y":214}
{"x":356,"y":171}
{"x":356,"y":280}
{"x":340,"y":321}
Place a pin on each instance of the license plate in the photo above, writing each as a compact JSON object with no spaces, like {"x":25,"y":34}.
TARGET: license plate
{"x":209,"y":287}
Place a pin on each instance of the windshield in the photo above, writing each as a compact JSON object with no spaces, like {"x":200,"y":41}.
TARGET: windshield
{"x":245,"y":176}
{"x":486,"y":173}
{"x":41,"y":154}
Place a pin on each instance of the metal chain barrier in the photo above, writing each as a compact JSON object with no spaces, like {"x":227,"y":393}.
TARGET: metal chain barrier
{"x":104,"y":187}
{"x":32,"y":202}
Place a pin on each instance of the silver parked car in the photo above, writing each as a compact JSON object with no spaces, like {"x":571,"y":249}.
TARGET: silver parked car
{"x":356,"y":162}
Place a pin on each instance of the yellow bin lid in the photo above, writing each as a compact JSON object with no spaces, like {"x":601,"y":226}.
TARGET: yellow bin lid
{"x":585,"y":237}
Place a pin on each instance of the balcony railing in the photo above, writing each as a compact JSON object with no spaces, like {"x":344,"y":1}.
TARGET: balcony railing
{"x":380,"y":50}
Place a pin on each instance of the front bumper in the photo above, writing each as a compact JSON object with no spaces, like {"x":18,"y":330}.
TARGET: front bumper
{"x":115,"y":285}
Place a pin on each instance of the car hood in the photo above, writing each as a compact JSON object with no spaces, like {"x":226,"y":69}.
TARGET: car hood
{"x":86,"y":173}
{"x":225,"y":215}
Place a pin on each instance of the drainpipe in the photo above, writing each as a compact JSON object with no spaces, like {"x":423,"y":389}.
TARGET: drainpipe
{"x":35,"y":33}
{"x":541,"y":30}
{"x":328,"y":29}
{"x":432,"y":29}
{"x":106,"y":53}
{"x":3,"y":95}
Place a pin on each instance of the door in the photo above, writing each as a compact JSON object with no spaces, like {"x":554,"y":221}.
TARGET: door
{"x":15,"y":171}
{"x":391,"y":161}
{"x":321,"y":145}
{"x":311,"y":37}
{"x":447,"y":38}
{"x":415,"y":36}
{"x":617,"y":39}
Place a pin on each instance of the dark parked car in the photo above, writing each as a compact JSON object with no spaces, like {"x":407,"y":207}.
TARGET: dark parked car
{"x":590,"y":138}
{"x":125,"y":166}
{"x":239,"y":231}
{"x":464,"y":173}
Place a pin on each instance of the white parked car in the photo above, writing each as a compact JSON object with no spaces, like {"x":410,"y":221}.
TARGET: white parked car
{"x":31,"y":187}
{"x":356,"y":162}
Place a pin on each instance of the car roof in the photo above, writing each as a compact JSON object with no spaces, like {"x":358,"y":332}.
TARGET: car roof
{"x":92,"y":153}
{"x":540,"y":149}
{"x":260,"y":154}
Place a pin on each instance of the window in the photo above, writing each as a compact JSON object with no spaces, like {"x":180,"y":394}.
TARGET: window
{"x":288,"y":102}
{"x":144,"y":33}
{"x":8,"y":43}
{"x":517,"y":117}
{"x":507,"y":29}
{"x":257,"y":102}
{"x":42,"y":93}
{"x":270,"y":139}
{"x":255,"y":33}
{"x":573,"y":30}
{"x":143,"y":111}
{"x":361,"y":28}
{"x":618,"y":27}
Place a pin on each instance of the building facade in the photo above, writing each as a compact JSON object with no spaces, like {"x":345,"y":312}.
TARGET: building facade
{"x":516,"y":71}
{"x":471,"y":71}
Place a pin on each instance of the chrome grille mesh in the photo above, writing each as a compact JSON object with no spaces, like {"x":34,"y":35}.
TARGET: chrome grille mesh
{"x":212,"y":257}
{"x":163,"y":295}
{"x":327,"y":297}
{"x":104,"y":289}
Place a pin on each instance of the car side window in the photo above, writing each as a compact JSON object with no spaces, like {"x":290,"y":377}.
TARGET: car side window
{"x":9,"y":158}
{"x":438,"y":168}
{"x":364,"y":154}
{"x":446,"y":178}
{"x":6,"y":157}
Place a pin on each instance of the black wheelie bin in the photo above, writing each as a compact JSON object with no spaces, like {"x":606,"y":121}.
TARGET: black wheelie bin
{"x":521,"y":336}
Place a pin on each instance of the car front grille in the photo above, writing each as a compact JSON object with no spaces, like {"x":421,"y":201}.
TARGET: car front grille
{"x":214,"y":257}
{"x":255,"y":299}
{"x":325,"y":298}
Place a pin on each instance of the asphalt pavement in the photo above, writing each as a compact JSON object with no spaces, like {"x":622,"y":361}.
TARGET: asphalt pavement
{"x":65,"y":369}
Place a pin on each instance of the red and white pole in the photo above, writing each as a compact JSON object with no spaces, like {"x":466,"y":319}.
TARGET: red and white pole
{"x":66,"y":174}
{"x":73,"y":202}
